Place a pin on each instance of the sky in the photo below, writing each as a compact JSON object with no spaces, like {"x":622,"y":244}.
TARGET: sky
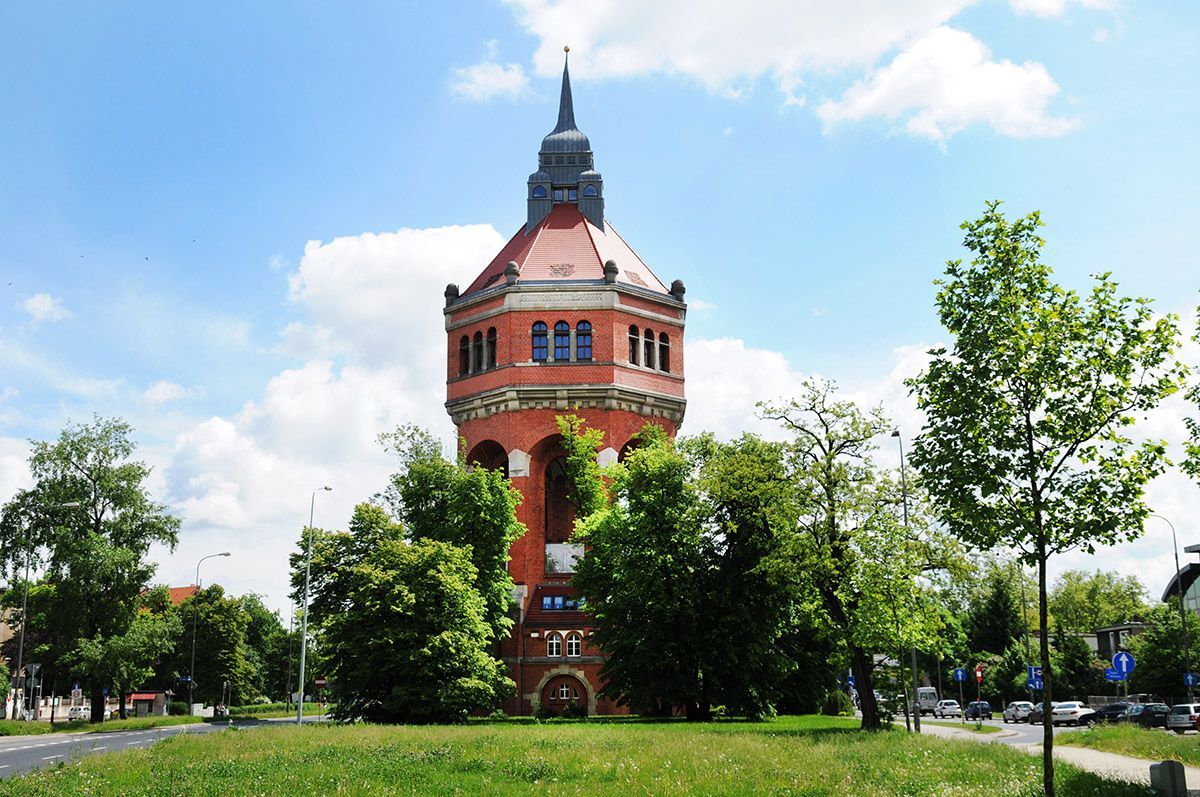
{"x":231,"y":223}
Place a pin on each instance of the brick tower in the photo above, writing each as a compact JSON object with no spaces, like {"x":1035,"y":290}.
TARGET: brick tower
{"x":565,"y":318}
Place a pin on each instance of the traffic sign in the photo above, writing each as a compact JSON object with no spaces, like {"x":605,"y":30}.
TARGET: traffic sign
{"x":319,"y":682}
{"x":1035,"y":683}
{"x":978,"y":674}
{"x":1112,"y":674}
{"x":960,"y":674}
{"x":1034,"y":671}
{"x":77,"y":694}
{"x":1190,"y":679}
{"x":850,"y":679}
{"x":1123,"y":663}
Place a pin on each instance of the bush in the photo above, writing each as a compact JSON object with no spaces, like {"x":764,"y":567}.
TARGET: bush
{"x":177,"y":708}
{"x":575,"y":710}
{"x":545,"y":712}
{"x":837,"y":704}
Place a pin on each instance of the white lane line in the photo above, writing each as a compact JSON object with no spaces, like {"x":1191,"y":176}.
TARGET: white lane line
{"x":3,"y":766}
{"x":102,"y":747}
{"x":47,"y":758}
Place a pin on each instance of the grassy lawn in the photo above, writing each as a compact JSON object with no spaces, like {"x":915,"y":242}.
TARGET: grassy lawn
{"x":1153,"y":744}
{"x":14,"y":728}
{"x":965,"y":726}
{"x":804,"y":756}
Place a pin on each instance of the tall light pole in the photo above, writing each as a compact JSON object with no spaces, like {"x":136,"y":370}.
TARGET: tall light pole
{"x":904,"y":501}
{"x":25,"y":602}
{"x":195,"y":616}
{"x":1187,"y":656}
{"x":304,"y":620}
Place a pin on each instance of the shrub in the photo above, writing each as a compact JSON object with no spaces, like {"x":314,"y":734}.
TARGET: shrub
{"x":837,"y":704}
{"x":177,"y":708}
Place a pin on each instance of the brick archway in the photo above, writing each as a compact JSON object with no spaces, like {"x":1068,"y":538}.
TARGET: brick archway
{"x":535,"y":697}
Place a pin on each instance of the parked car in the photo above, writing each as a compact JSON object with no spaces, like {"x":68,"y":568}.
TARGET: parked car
{"x":947,"y":708}
{"x":1147,"y":715}
{"x":1183,"y":717}
{"x":76,"y":713}
{"x":1113,"y":712}
{"x":1072,"y":712}
{"x":1018,"y":711}
{"x":979,"y":710}
{"x":1036,"y":713}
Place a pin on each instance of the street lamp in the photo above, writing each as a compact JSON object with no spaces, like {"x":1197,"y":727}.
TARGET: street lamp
{"x":25,"y":600}
{"x":904,"y":501}
{"x":195,"y":616}
{"x":1187,"y":656}
{"x":304,"y":620}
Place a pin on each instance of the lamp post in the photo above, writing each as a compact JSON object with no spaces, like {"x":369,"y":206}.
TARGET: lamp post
{"x":304,"y":619}
{"x":25,"y":601}
{"x":904,"y":501}
{"x":195,"y":617}
{"x":1187,"y":656}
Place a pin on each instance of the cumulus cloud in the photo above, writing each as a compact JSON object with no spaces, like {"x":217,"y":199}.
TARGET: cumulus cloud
{"x":488,"y":80}
{"x":43,"y":307}
{"x":945,"y":81}
{"x":1056,"y":8}
{"x":165,"y":391}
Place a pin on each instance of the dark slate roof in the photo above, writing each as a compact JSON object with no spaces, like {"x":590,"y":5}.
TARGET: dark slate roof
{"x":566,"y":137}
{"x":1188,"y":576}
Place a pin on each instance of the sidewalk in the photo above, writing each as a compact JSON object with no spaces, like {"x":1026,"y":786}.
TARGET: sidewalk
{"x":1097,"y":761}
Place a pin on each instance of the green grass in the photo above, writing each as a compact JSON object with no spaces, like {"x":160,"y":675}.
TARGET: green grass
{"x":1153,"y":744}
{"x":971,"y":726}
{"x":800,"y":756}
{"x":277,"y":710}
{"x":14,"y":728}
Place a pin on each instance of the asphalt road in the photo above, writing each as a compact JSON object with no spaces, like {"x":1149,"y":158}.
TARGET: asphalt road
{"x":24,"y":753}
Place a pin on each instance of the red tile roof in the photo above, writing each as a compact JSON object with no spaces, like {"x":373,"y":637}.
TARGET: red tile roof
{"x":180,"y":594}
{"x":566,"y":246}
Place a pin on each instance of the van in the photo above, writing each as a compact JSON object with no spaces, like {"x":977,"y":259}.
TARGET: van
{"x":927,"y":699}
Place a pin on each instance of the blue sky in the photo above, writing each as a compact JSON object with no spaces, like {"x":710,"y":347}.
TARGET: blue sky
{"x":803,"y":170}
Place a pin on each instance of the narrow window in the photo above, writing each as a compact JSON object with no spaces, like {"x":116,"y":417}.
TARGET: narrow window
{"x":554,"y":645}
{"x":564,"y":692}
{"x":634,"y":344}
{"x":477,"y":353}
{"x":571,"y":160}
{"x":540,"y":342}
{"x":590,"y":191}
{"x":562,"y":341}
{"x":558,"y":602}
{"x":558,"y":195}
{"x":583,"y":341}
{"x":649,"y":349}
{"x":464,"y":356}
{"x":490,"y":351}
{"x":664,"y":352}
{"x":545,"y":602}
{"x":572,"y":194}
{"x":573,"y":645}
{"x":539,"y":192}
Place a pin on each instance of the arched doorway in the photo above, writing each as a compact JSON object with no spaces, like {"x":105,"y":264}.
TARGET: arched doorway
{"x":565,"y":696}
{"x":560,"y":512}
{"x":489,"y":454}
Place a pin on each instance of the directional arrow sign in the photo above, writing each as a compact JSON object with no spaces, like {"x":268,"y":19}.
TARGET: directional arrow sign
{"x":960,"y":674}
{"x":1035,"y":683}
{"x":1123,"y":663}
{"x":1190,"y":679}
{"x":1112,"y":674}
{"x":850,"y":679}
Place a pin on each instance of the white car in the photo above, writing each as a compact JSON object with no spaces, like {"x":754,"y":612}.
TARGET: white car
{"x":947,"y":708}
{"x":1183,"y":717}
{"x":1072,"y":713}
{"x":1018,"y":711}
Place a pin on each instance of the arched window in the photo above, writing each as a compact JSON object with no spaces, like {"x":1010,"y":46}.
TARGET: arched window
{"x":574,"y":645}
{"x":490,"y":350}
{"x":554,"y":645}
{"x":583,"y":341}
{"x":649,"y":349}
{"x":477,"y":353}
{"x":540,"y":342}
{"x":539,"y":192}
{"x":562,"y":341}
{"x":560,"y":513}
{"x":565,"y":692}
{"x":590,"y":191}
{"x":464,"y":356}
{"x":664,"y":352}
{"x":634,"y":344}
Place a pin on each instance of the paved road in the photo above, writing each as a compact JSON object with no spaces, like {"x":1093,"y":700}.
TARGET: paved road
{"x":1015,"y":733}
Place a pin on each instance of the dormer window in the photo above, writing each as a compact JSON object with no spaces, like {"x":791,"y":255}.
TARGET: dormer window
{"x":571,"y":160}
{"x":558,"y":195}
{"x":589,"y":191}
{"x":539,"y":192}
{"x":572,"y":195}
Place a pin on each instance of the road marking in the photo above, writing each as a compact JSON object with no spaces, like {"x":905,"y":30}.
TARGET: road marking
{"x":47,"y":758}
{"x":103,"y":747}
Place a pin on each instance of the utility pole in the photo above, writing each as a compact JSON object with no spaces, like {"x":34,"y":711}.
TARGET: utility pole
{"x":904,"y":500}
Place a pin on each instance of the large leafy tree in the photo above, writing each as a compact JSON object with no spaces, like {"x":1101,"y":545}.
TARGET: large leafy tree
{"x":93,"y":555}
{"x":403,"y":624}
{"x":266,"y":646}
{"x":1026,"y":442}
{"x":1160,"y":656}
{"x":1082,"y":601}
{"x":225,"y":665}
{"x":994,"y":620}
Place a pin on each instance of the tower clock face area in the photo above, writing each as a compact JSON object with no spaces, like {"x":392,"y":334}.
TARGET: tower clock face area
{"x":566,"y":318}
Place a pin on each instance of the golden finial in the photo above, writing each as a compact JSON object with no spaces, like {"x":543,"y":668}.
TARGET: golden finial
{"x":566,"y":48}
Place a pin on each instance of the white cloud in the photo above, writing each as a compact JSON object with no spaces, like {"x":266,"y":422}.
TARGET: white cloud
{"x":43,"y":307}
{"x":1056,"y":8}
{"x":14,"y":468}
{"x":164,"y":391}
{"x":946,"y":81}
{"x":701,"y":306}
{"x":487,"y":80}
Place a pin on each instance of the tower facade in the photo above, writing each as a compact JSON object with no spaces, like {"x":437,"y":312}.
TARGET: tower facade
{"x":565,"y":318}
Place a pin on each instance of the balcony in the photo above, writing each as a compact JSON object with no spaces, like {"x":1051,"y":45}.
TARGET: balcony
{"x":561,"y":556}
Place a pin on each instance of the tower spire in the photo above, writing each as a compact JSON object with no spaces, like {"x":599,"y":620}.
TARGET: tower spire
{"x":566,"y":107}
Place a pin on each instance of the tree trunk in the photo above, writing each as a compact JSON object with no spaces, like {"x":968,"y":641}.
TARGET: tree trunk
{"x":97,"y":697}
{"x":863,"y":675}
{"x":698,"y":712}
{"x":1047,"y":678}
{"x":121,"y":697}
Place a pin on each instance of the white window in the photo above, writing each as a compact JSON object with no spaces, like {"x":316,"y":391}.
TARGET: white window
{"x":554,"y":645}
{"x":573,"y":644}
{"x":564,"y":692}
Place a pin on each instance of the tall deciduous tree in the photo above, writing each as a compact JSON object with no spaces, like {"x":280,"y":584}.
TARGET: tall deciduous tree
{"x":1160,"y":656}
{"x":94,"y":555}
{"x":1025,"y":443}
{"x":1082,"y":601}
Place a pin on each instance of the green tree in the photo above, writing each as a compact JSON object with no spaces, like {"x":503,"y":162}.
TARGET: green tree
{"x":1026,"y":441}
{"x":224,"y":667}
{"x":1082,"y":601}
{"x":1159,"y":654}
{"x":994,"y":621}
{"x":266,"y":647}
{"x":403,"y":626}
{"x":94,"y":555}
{"x":1076,"y":668}
{"x":469,"y":507}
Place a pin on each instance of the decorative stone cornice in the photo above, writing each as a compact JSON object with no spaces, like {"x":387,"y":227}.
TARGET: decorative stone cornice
{"x":513,"y":398}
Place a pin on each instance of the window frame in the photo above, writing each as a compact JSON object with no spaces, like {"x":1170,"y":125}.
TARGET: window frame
{"x":583,"y":341}
{"x":539,"y":330}
{"x":590,"y":192}
{"x":664,"y":352}
{"x":489,"y":348}
{"x":464,"y":355}
{"x":575,"y":641}
{"x":635,"y":345}
{"x":477,"y":351}
{"x":648,"y":346}
{"x":562,"y":341}
{"x":539,"y":192}
{"x":554,"y":645}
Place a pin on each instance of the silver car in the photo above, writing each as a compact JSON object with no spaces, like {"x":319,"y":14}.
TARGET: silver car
{"x":1183,"y":717}
{"x":1018,"y":711}
{"x":947,"y":708}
